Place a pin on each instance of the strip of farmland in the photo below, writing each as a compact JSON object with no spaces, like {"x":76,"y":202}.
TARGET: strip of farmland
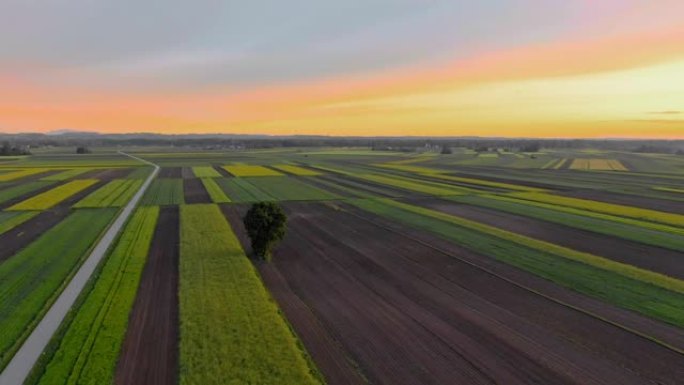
{"x":408,"y":313}
{"x":10,"y":220}
{"x":656,"y":259}
{"x":284,"y":188}
{"x":651,"y":294}
{"x":205,"y":172}
{"x":165,"y":191}
{"x":54,"y":196}
{"x":230,"y":331}
{"x":214,"y":190}
{"x":649,"y":203}
{"x":149,"y":354}
{"x":194,"y":191}
{"x":31,"y":279}
{"x":86,"y":347}
{"x":114,"y":194}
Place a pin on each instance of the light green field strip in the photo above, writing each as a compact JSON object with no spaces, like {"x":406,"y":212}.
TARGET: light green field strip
{"x":54,"y":196}
{"x":416,"y":186}
{"x":86,"y":349}
{"x":114,"y":194}
{"x":240,"y":190}
{"x":295,"y":170}
{"x":31,"y":279}
{"x":205,"y":172}
{"x":215,"y":192}
{"x":616,"y":283}
{"x":10,"y":220}
{"x":21,"y":189}
{"x":140,"y":173}
{"x":14,"y":175}
{"x":592,"y":214}
{"x":251,"y":170}
{"x":602,"y":224}
{"x":231,"y":331}
{"x":630,"y":271}
{"x":64,"y":175}
{"x":606,"y":208}
{"x":670,"y":189}
{"x":289,"y":189}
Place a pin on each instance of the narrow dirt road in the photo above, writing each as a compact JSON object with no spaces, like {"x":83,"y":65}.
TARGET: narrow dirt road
{"x":18,"y":369}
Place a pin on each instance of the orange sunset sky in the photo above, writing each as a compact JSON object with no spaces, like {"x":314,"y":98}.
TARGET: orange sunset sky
{"x":444,"y":68}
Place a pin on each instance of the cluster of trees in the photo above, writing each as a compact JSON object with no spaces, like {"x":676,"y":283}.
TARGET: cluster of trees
{"x":9,"y":149}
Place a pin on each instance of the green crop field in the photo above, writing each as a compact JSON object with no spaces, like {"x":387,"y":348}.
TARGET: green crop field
{"x":52,"y":197}
{"x":240,"y":190}
{"x":68,"y":174}
{"x":114,"y":194}
{"x":30,"y":280}
{"x":86,"y":350}
{"x":205,"y":172}
{"x":289,"y":189}
{"x":164,"y":192}
{"x":22,"y":189}
{"x":295,"y":170}
{"x":215,"y":192}
{"x":10,"y":220}
{"x":251,"y":170}
{"x":231,"y":331}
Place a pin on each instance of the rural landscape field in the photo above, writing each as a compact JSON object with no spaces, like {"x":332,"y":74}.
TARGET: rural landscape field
{"x":552,"y":267}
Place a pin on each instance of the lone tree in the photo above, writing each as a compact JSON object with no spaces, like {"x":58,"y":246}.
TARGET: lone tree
{"x":265,"y":224}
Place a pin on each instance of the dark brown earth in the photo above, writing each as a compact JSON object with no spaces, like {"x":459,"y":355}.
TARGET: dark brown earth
{"x":330,"y":357}
{"x":149,"y":355}
{"x":664,"y":205}
{"x":409,"y":313}
{"x":221,"y":170}
{"x":652,"y":258}
{"x":21,"y":236}
{"x":186,"y":172}
{"x":171,"y":172}
{"x":194,"y":191}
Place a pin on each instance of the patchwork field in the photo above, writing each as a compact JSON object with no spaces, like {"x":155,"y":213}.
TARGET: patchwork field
{"x":396,"y":268}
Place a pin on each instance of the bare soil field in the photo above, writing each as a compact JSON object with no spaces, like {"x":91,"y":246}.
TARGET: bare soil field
{"x":657,"y":259}
{"x":194,"y":191}
{"x":664,"y":205}
{"x":171,"y":172}
{"x":408,"y":313}
{"x":186,"y":172}
{"x":149,"y":355}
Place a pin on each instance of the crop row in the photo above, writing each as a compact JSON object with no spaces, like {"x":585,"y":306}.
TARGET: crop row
{"x":214,"y":190}
{"x":597,"y":164}
{"x":649,"y":293}
{"x":68,"y":174}
{"x":165,"y":191}
{"x":31,"y":279}
{"x":289,"y":189}
{"x":250,"y":170}
{"x":114,"y":194}
{"x":86,"y":349}
{"x":240,"y":190}
{"x":54,"y":196}
{"x":606,"y":208}
{"x":422,"y":187}
{"x":18,"y":174}
{"x":602,"y":225}
{"x":205,"y":172}
{"x":230,"y":329}
{"x":295,"y":170}
{"x":12,"y":219}
{"x":21,"y":189}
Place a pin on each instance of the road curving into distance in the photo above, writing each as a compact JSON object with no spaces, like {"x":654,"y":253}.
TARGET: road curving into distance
{"x":23,"y":361}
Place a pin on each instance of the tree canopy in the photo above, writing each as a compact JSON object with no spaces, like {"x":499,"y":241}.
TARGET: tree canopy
{"x":265,"y":223}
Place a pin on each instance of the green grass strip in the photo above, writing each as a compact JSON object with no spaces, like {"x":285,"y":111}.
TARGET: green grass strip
{"x":413,"y":185}
{"x":205,"y":172}
{"x":215,"y":192}
{"x":22,"y":189}
{"x":54,"y":196}
{"x":64,"y":175}
{"x":164,"y":191}
{"x":606,"y":208}
{"x":86,"y":351}
{"x":289,"y":189}
{"x":31,"y":279}
{"x":10,"y":220}
{"x":598,"y":282}
{"x":231,"y":332}
{"x":114,"y":194}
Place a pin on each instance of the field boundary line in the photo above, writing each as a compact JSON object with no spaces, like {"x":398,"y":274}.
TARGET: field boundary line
{"x":524,"y":287}
{"x":30,"y":351}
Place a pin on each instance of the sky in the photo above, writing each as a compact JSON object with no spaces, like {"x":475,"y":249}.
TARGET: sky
{"x":508,"y":68}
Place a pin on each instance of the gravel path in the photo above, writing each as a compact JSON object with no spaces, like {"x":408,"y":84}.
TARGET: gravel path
{"x":19,"y":368}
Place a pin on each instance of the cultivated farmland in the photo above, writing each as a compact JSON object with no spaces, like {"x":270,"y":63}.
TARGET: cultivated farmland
{"x":396,"y":268}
